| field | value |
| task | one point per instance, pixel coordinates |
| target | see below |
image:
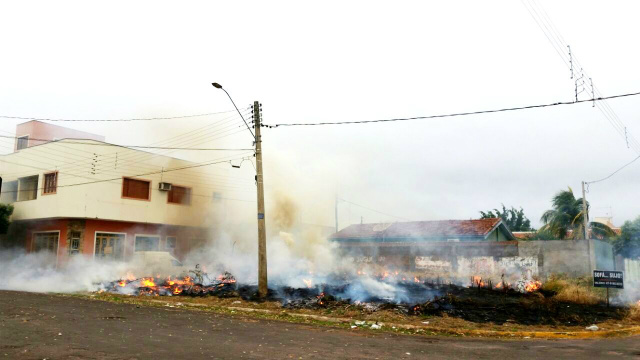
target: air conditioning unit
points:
(163, 186)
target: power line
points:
(66, 141)
(131, 176)
(201, 134)
(552, 34)
(89, 168)
(109, 120)
(613, 173)
(376, 211)
(456, 114)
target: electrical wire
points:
(68, 141)
(90, 169)
(201, 134)
(557, 41)
(130, 176)
(110, 120)
(90, 166)
(376, 211)
(456, 114)
(613, 173)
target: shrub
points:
(5, 213)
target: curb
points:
(485, 333)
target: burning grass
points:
(557, 303)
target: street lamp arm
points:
(216, 85)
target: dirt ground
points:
(41, 326)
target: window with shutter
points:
(136, 189)
(180, 195)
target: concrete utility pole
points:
(262, 235)
(336, 204)
(585, 215)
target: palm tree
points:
(564, 221)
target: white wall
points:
(84, 163)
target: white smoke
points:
(38, 272)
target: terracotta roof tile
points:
(442, 228)
(523, 235)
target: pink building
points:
(28, 132)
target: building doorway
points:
(47, 242)
(109, 246)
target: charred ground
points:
(479, 303)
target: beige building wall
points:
(40, 130)
(90, 184)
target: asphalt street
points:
(41, 326)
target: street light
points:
(262, 237)
(218, 86)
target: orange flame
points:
(477, 281)
(307, 282)
(147, 282)
(533, 286)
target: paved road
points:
(39, 326)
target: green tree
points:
(513, 218)
(5, 213)
(564, 221)
(628, 243)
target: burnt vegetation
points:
(480, 302)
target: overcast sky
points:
(349, 61)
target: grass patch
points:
(634, 312)
(574, 290)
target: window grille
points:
(50, 183)
(74, 244)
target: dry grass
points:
(579, 295)
(634, 312)
(578, 291)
